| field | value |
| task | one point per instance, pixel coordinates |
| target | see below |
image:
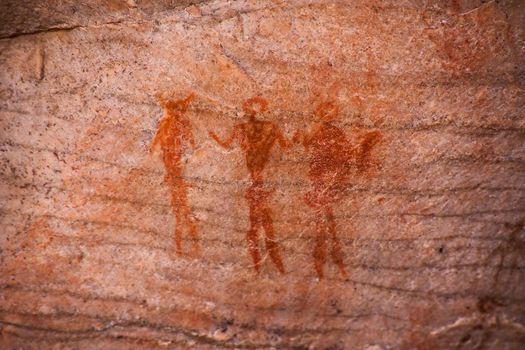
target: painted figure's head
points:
(327, 111)
(177, 106)
(254, 105)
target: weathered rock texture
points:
(390, 217)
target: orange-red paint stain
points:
(467, 41)
(363, 155)
(256, 138)
(174, 134)
(333, 160)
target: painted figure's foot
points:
(195, 249)
(279, 264)
(178, 249)
(319, 270)
(178, 240)
(253, 248)
(343, 272)
(273, 251)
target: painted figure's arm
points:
(163, 126)
(188, 133)
(368, 141)
(283, 142)
(161, 131)
(161, 100)
(228, 142)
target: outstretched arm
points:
(224, 144)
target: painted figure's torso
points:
(329, 154)
(172, 143)
(257, 139)
(330, 160)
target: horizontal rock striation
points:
(262, 174)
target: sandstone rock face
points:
(301, 174)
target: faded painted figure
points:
(332, 161)
(257, 138)
(173, 136)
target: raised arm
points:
(162, 129)
(161, 132)
(283, 142)
(367, 143)
(161, 100)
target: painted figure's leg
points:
(178, 230)
(178, 211)
(337, 252)
(253, 240)
(320, 244)
(188, 218)
(192, 227)
(271, 245)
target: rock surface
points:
(371, 195)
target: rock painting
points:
(333, 161)
(256, 138)
(174, 136)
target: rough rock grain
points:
(371, 195)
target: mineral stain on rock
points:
(455, 34)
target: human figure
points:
(174, 134)
(332, 160)
(256, 139)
